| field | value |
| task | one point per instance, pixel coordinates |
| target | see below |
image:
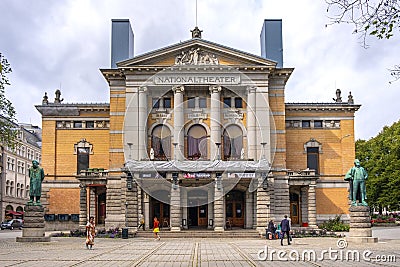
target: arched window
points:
(197, 142)
(27, 191)
(8, 187)
(12, 188)
(233, 142)
(161, 142)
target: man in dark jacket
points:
(285, 228)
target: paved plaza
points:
(66, 251)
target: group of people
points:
(283, 229)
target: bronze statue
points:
(36, 175)
(356, 177)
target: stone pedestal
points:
(360, 225)
(33, 230)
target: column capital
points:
(251, 88)
(142, 89)
(178, 89)
(215, 89)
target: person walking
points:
(156, 229)
(141, 221)
(285, 228)
(90, 233)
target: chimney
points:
(271, 41)
(121, 41)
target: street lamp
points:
(218, 154)
(263, 147)
(175, 152)
(130, 150)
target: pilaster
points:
(179, 122)
(215, 121)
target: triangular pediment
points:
(196, 52)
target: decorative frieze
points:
(196, 56)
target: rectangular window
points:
(238, 102)
(156, 103)
(191, 102)
(202, 102)
(305, 124)
(83, 159)
(90, 124)
(77, 124)
(227, 102)
(313, 159)
(317, 124)
(167, 102)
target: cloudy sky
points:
(53, 44)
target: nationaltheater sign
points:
(178, 79)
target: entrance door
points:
(294, 208)
(161, 211)
(202, 221)
(193, 216)
(235, 209)
(198, 216)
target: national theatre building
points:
(199, 135)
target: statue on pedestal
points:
(357, 176)
(36, 175)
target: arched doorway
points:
(197, 143)
(234, 208)
(160, 209)
(233, 142)
(8, 212)
(197, 210)
(161, 142)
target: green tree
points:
(381, 158)
(7, 111)
(379, 18)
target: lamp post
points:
(130, 150)
(175, 145)
(263, 148)
(218, 154)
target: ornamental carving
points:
(196, 56)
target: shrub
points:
(335, 225)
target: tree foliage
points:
(380, 156)
(7, 111)
(378, 18)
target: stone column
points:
(184, 209)
(132, 207)
(210, 209)
(249, 210)
(312, 207)
(282, 200)
(215, 120)
(179, 122)
(219, 216)
(262, 207)
(92, 203)
(115, 213)
(263, 128)
(251, 123)
(142, 131)
(175, 208)
(147, 219)
(83, 219)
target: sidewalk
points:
(67, 251)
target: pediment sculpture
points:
(196, 56)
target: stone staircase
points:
(197, 233)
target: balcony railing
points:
(94, 172)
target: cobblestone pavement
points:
(63, 251)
